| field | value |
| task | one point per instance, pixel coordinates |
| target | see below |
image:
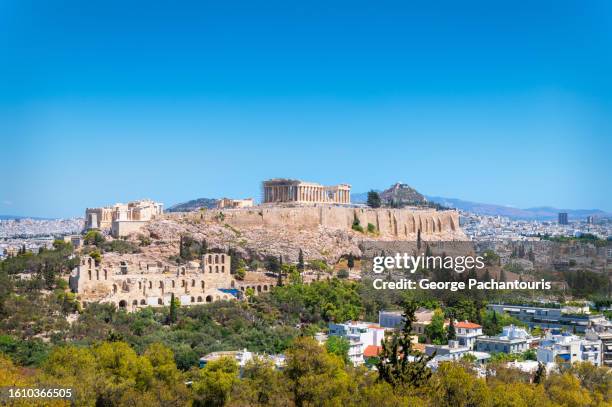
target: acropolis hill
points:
(296, 215)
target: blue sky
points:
(106, 101)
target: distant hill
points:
(193, 205)
(538, 213)
(399, 195)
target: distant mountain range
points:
(15, 217)
(542, 213)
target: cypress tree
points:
(540, 374)
(172, 317)
(300, 265)
(394, 365)
(451, 335)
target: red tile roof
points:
(467, 325)
(372, 351)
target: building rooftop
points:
(467, 325)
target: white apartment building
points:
(569, 348)
(467, 332)
(360, 335)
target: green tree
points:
(172, 316)
(338, 346)
(315, 377)
(213, 384)
(451, 334)
(395, 366)
(435, 330)
(540, 374)
(373, 199)
(300, 264)
(350, 262)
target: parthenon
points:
(291, 190)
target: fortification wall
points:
(392, 223)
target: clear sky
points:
(493, 101)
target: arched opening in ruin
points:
(105, 274)
(199, 299)
(160, 301)
(209, 298)
(89, 272)
(216, 258)
(203, 284)
(233, 284)
(216, 269)
(210, 269)
(265, 287)
(150, 284)
(193, 283)
(258, 288)
(223, 269)
(135, 302)
(161, 284)
(122, 304)
(142, 302)
(223, 258)
(114, 288)
(192, 299)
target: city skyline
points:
(107, 102)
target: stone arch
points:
(223, 258)
(210, 269)
(89, 272)
(209, 298)
(135, 302)
(114, 288)
(203, 284)
(439, 225)
(265, 287)
(216, 269)
(199, 298)
(122, 304)
(210, 258)
(223, 269)
(258, 288)
(216, 258)
(193, 282)
(143, 302)
(192, 299)
(173, 283)
(233, 284)
(160, 301)
(89, 262)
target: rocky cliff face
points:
(322, 232)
